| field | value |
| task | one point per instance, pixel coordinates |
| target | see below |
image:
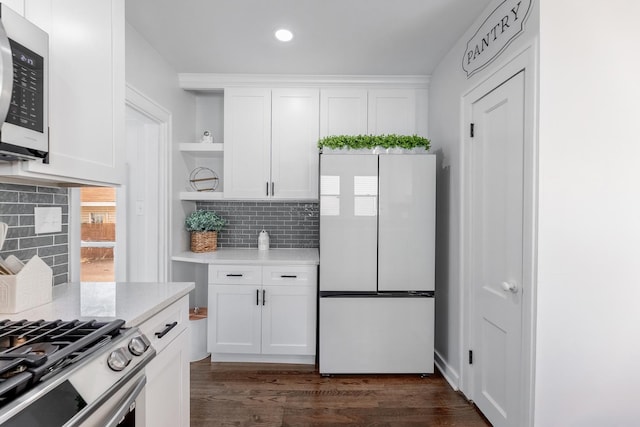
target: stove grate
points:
(33, 351)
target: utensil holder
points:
(31, 287)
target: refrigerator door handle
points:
(257, 296)
(263, 296)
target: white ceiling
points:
(353, 37)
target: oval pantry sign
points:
(496, 32)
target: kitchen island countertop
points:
(105, 301)
(252, 256)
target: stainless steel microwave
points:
(24, 88)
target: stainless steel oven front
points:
(105, 388)
(122, 405)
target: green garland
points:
(371, 141)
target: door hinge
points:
(470, 357)
(472, 130)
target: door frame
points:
(525, 60)
(139, 102)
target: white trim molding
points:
(217, 82)
(447, 371)
(148, 107)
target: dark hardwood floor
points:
(245, 394)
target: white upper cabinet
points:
(343, 112)
(270, 126)
(270, 143)
(86, 99)
(392, 111)
(294, 141)
(361, 111)
(247, 136)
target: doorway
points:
(97, 234)
(145, 254)
(140, 250)
(498, 243)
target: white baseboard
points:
(449, 374)
(263, 358)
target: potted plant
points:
(204, 227)
(355, 142)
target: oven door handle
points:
(124, 406)
(114, 416)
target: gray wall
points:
(289, 224)
(16, 209)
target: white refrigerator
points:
(377, 250)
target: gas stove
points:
(42, 363)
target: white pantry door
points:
(496, 250)
(142, 192)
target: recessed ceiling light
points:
(284, 35)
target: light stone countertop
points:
(247, 256)
(105, 301)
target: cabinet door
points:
(294, 139)
(167, 391)
(86, 90)
(247, 140)
(289, 320)
(234, 319)
(343, 112)
(392, 111)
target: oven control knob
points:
(119, 359)
(138, 345)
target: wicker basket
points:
(204, 241)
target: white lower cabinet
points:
(234, 319)
(263, 314)
(167, 391)
(288, 320)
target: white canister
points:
(263, 241)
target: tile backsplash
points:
(17, 203)
(289, 224)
